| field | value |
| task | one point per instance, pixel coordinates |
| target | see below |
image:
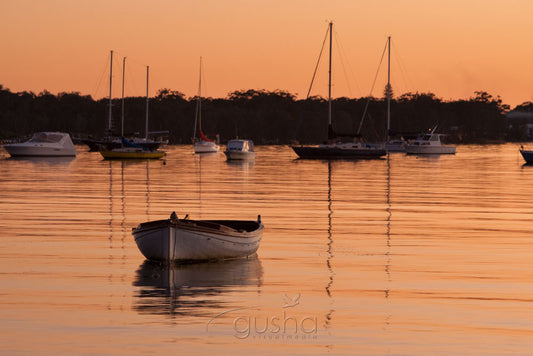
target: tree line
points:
(266, 117)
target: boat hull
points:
(239, 155)
(527, 155)
(118, 154)
(44, 144)
(430, 150)
(111, 144)
(165, 240)
(328, 152)
(205, 147)
(24, 150)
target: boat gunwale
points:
(218, 227)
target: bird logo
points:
(289, 302)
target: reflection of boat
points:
(184, 239)
(130, 150)
(238, 149)
(528, 155)
(429, 144)
(202, 144)
(190, 288)
(338, 146)
(44, 144)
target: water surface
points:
(403, 255)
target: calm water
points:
(406, 255)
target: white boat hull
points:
(17, 150)
(205, 147)
(171, 242)
(44, 144)
(239, 155)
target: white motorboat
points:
(429, 144)
(239, 149)
(44, 144)
(176, 239)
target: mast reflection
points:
(330, 246)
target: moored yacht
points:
(429, 144)
(239, 149)
(44, 144)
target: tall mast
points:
(329, 83)
(388, 93)
(110, 102)
(200, 97)
(147, 77)
(123, 79)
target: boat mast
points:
(110, 102)
(198, 117)
(329, 83)
(200, 98)
(123, 79)
(147, 77)
(388, 93)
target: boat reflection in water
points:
(194, 289)
(44, 160)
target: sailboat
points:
(129, 149)
(112, 139)
(337, 146)
(394, 145)
(201, 144)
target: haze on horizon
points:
(450, 48)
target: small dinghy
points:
(176, 239)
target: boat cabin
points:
(240, 145)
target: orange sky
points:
(451, 48)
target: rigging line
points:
(317, 63)
(408, 82)
(372, 89)
(99, 82)
(342, 63)
(344, 57)
(131, 82)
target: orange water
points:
(405, 255)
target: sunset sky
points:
(451, 48)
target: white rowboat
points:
(176, 239)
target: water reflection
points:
(193, 289)
(49, 160)
(243, 165)
(330, 246)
